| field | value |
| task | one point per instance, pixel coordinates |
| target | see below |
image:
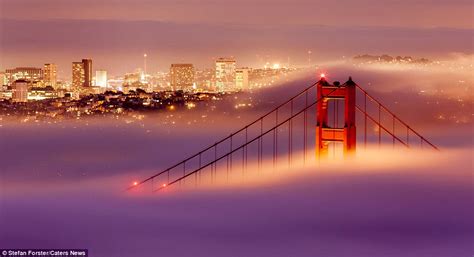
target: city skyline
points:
(67, 75)
(42, 84)
(226, 75)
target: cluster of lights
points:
(135, 183)
(191, 105)
(275, 66)
(237, 106)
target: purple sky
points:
(117, 33)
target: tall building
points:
(225, 74)
(82, 73)
(20, 91)
(182, 76)
(3, 79)
(101, 78)
(30, 74)
(77, 75)
(87, 72)
(50, 74)
(242, 79)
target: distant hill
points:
(366, 58)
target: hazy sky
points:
(116, 33)
(405, 13)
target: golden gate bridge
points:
(281, 134)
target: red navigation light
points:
(135, 183)
(322, 75)
(164, 185)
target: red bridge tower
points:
(326, 134)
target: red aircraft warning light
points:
(325, 134)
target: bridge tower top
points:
(325, 133)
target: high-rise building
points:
(225, 73)
(3, 79)
(101, 78)
(82, 73)
(87, 72)
(20, 91)
(242, 79)
(30, 74)
(77, 75)
(50, 74)
(181, 76)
